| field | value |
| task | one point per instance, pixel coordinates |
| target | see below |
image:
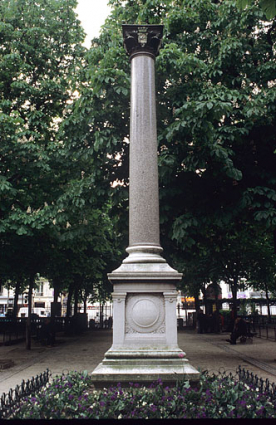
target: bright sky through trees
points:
(92, 14)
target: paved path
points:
(85, 352)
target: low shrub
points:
(72, 397)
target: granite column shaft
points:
(143, 191)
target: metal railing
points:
(264, 386)
(12, 330)
(243, 375)
(10, 402)
(266, 331)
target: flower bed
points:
(72, 397)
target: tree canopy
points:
(268, 6)
(65, 135)
(51, 199)
(216, 120)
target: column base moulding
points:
(125, 370)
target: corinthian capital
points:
(142, 39)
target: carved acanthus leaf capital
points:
(142, 39)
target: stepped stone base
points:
(145, 345)
(143, 366)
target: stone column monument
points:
(144, 312)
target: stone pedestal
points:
(144, 345)
(144, 337)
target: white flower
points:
(144, 403)
(120, 416)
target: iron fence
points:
(264, 386)
(12, 330)
(266, 331)
(243, 375)
(10, 402)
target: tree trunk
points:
(204, 297)
(197, 304)
(16, 295)
(76, 299)
(69, 299)
(268, 304)
(85, 304)
(28, 323)
(101, 314)
(234, 289)
(56, 290)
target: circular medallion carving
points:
(144, 313)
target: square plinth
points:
(144, 345)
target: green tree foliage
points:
(65, 129)
(220, 137)
(40, 54)
(216, 123)
(54, 199)
(268, 6)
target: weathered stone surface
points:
(143, 172)
(144, 299)
(142, 38)
(143, 371)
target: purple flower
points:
(136, 385)
(70, 397)
(102, 403)
(153, 408)
(260, 411)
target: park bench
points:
(248, 335)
